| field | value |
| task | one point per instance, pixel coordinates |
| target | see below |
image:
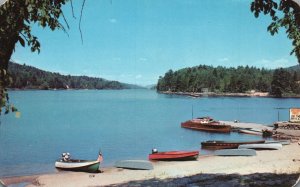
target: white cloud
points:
(143, 59)
(112, 20)
(282, 62)
(263, 63)
(225, 59)
(138, 76)
(18, 61)
(273, 64)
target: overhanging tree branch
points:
(285, 14)
(82, 6)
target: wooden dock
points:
(243, 125)
(277, 134)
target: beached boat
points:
(79, 165)
(206, 124)
(268, 146)
(282, 142)
(235, 152)
(174, 155)
(134, 164)
(214, 144)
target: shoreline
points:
(284, 162)
(214, 94)
(187, 94)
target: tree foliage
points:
(284, 83)
(27, 77)
(16, 19)
(279, 83)
(285, 14)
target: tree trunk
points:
(7, 47)
(6, 50)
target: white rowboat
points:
(78, 165)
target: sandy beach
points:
(284, 161)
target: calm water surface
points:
(124, 124)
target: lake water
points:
(124, 124)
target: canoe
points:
(215, 144)
(174, 155)
(271, 146)
(251, 132)
(235, 152)
(134, 164)
(206, 124)
(78, 165)
(282, 142)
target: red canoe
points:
(174, 155)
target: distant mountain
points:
(28, 77)
(294, 68)
(151, 86)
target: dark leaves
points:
(290, 20)
(17, 15)
(22, 42)
(16, 18)
(14, 109)
(275, 5)
(272, 13)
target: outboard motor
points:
(63, 156)
(154, 150)
(66, 157)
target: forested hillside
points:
(231, 80)
(28, 77)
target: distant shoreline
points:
(214, 94)
(69, 89)
(187, 94)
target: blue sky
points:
(136, 41)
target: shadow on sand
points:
(215, 180)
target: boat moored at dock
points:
(206, 124)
